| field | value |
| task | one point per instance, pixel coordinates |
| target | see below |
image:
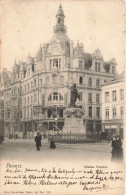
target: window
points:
(8, 115)
(121, 112)
(35, 98)
(80, 64)
(90, 112)
(25, 88)
(31, 99)
(106, 96)
(59, 62)
(114, 96)
(97, 67)
(40, 82)
(97, 83)
(55, 63)
(49, 113)
(61, 113)
(81, 80)
(97, 112)
(113, 69)
(2, 113)
(97, 98)
(107, 114)
(80, 96)
(47, 80)
(50, 63)
(24, 113)
(31, 84)
(50, 98)
(60, 97)
(90, 82)
(34, 82)
(121, 94)
(31, 112)
(61, 80)
(89, 97)
(114, 113)
(55, 96)
(28, 100)
(25, 101)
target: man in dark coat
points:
(38, 141)
(113, 148)
(119, 150)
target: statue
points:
(74, 96)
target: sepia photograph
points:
(62, 92)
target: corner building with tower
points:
(39, 89)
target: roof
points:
(118, 78)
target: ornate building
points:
(40, 88)
(113, 106)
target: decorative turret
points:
(60, 27)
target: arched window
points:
(97, 83)
(47, 80)
(81, 80)
(61, 80)
(55, 96)
(90, 82)
(54, 79)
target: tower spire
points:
(60, 27)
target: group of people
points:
(38, 139)
(117, 151)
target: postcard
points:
(62, 92)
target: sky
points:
(95, 23)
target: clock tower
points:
(60, 27)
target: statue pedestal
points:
(74, 121)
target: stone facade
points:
(39, 91)
(113, 106)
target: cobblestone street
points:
(26, 149)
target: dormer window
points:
(56, 63)
(80, 64)
(97, 66)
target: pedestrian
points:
(113, 148)
(52, 144)
(119, 150)
(38, 141)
